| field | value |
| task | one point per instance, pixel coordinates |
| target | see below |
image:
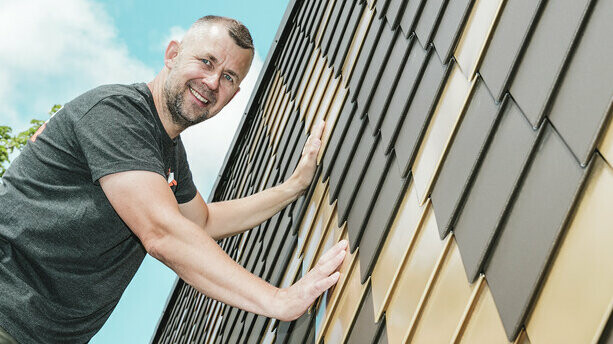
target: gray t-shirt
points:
(65, 255)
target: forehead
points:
(213, 39)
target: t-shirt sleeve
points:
(186, 189)
(115, 136)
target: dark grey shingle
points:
(283, 56)
(355, 171)
(382, 335)
(534, 223)
(232, 327)
(506, 42)
(428, 20)
(257, 330)
(316, 20)
(493, 187)
(290, 49)
(383, 91)
(296, 142)
(291, 81)
(285, 146)
(419, 112)
(331, 27)
(300, 329)
(375, 67)
(381, 216)
(364, 329)
(283, 257)
(252, 239)
(247, 327)
(274, 177)
(463, 155)
(583, 100)
(261, 163)
(544, 56)
(394, 12)
(450, 27)
(347, 37)
(337, 138)
(381, 6)
(304, 18)
(296, 155)
(301, 66)
(411, 15)
(402, 94)
(367, 188)
(366, 51)
(343, 158)
(273, 237)
(254, 256)
(341, 26)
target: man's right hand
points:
(183, 245)
(290, 303)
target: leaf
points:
(10, 143)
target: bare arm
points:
(187, 249)
(226, 218)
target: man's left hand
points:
(304, 172)
(290, 303)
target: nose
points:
(211, 80)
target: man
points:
(106, 180)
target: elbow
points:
(155, 239)
(155, 247)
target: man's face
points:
(204, 74)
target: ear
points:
(172, 51)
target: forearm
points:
(200, 262)
(227, 218)
(231, 217)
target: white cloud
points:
(52, 53)
(176, 33)
(208, 142)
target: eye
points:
(228, 77)
(206, 62)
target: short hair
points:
(239, 32)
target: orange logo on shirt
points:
(171, 178)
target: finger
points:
(306, 145)
(334, 250)
(315, 135)
(326, 283)
(315, 145)
(311, 144)
(328, 267)
(311, 149)
(319, 129)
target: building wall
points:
(466, 157)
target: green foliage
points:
(10, 143)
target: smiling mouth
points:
(198, 95)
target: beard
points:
(175, 104)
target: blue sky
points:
(53, 51)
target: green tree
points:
(10, 143)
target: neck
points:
(156, 86)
